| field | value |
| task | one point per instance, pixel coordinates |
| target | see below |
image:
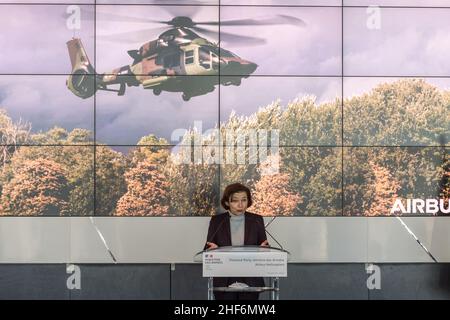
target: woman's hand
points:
(211, 245)
(265, 243)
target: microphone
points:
(209, 239)
(265, 229)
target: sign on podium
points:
(244, 261)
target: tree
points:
(417, 170)
(315, 173)
(267, 119)
(405, 112)
(322, 192)
(55, 135)
(39, 187)
(444, 185)
(76, 161)
(110, 179)
(150, 148)
(272, 196)
(193, 188)
(147, 192)
(79, 136)
(306, 123)
(11, 136)
(384, 188)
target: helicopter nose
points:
(241, 67)
(247, 67)
(251, 67)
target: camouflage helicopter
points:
(179, 60)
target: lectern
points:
(244, 261)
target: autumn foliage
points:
(147, 192)
(384, 188)
(272, 196)
(391, 143)
(39, 187)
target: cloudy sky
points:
(231, 2)
(43, 101)
(290, 50)
(33, 39)
(404, 3)
(409, 42)
(424, 3)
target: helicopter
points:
(179, 60)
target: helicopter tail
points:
(82, 80)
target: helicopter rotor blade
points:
(107, 16)
(188, 8)
(230, 37)
(89, 15)
(178, 7)
(131, 36)
(241, 40)
(207, 32)
(277, 20)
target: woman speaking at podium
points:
(236, 227)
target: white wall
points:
(177, 239)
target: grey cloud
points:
(34, 39)
(45, 102)
(409, 42)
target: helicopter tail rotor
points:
(82, 78)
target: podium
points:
(244, 261)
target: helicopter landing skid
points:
(120, 91)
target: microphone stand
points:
(265, 228)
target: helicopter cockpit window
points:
(204, 58)
(189, 57)
(215, 61)
(226, 53)
(223, 53)
(208, 59)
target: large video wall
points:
(150, 108)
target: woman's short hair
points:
(232, 189)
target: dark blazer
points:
(254, 234)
